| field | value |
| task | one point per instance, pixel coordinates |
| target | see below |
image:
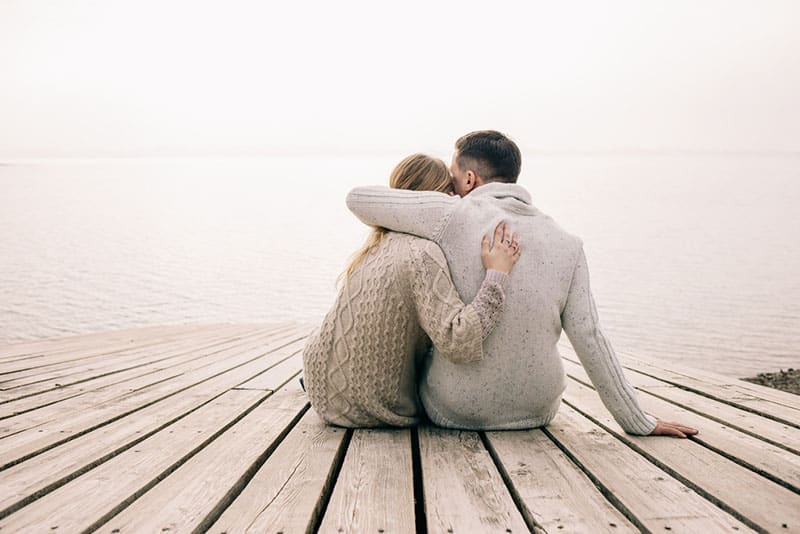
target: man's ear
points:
(473, 181)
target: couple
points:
(494, 363)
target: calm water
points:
(695, 259)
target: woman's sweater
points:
(360, 366)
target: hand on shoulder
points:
(502, 252)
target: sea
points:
(694, 257)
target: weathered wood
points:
(182, 501)
(765, 504)
(552, 490)
(43, 378)
(79, 353)
(654, 498)
(267, 380)
(24, 349)
(677, 373)
(375, 489)
(722, 389)
(204, 363)
(463, 489)
(761, 456)
(766, 429)
(55, 466)
(286, 493)
(101, 492)
(258, 466)
(61, 426)
(47, 390)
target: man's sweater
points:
(519, 382)
(361, 366)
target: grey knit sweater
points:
(361, 366)
(519, 382)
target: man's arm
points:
(420, 213)
(581, 324)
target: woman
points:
(360, 366)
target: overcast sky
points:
(83, 76)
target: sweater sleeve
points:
(582, 326)
(420, 213)
(456, 329)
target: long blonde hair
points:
(417, 172)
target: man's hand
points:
(671, 428)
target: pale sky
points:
(82, 77)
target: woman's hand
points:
(503, 252)
(670, 428)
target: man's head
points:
(483, 157)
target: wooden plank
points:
(12, 379)
(678, 372)
(58, 465)
(552, 490)
(655, 499)
(779, 434)
(266, 381)
(40, 347)
(759, 455)
(722, 389)
(375, 488)
(786, 411)
(61, 426)
(76, 352)
(102, 491)
(765, 503)
(204, 358)
(41, 380)
(286, 493)
(464, 492)
(182, 501)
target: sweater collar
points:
(503, 190)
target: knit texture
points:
(361, 365)
(519, 382)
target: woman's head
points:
(419, 172)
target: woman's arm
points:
(457, 329)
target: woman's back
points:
(360, 366)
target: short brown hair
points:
(495, 157)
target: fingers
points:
(485, 249)
(683, 428)
(498, 234)
(671, 428)
(506, 234)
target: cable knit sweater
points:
(360, 366)
(520, 381)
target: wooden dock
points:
(206, 429)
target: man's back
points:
(519, 382)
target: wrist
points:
(496, 276)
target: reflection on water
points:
(695, 259)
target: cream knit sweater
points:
(360, 366)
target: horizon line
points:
(245, 153)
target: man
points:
(519, 382)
